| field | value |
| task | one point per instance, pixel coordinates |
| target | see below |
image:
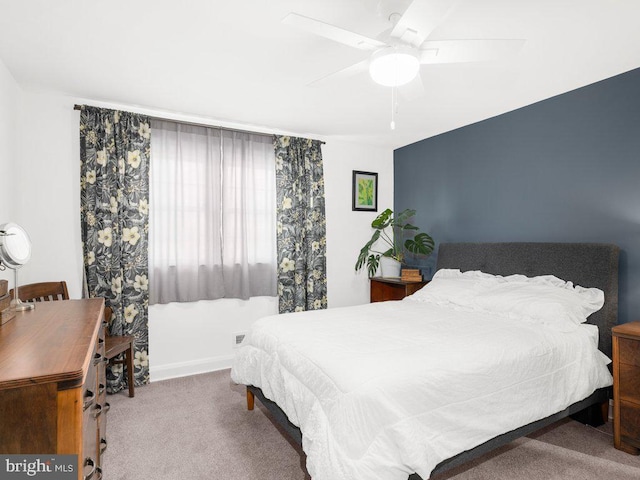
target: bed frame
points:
(585, 264)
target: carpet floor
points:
(198, 428)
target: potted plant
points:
(396, 233)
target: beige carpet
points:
(198, 428)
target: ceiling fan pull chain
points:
(393, 108)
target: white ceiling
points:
(234, 61)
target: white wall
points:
(348, 231)
(9, 95)
(48, 189)
(189, 338)
(183, 338)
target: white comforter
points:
(383, 390)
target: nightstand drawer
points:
(629, 383)
(626, 387)
(629, 351)
(630, 423)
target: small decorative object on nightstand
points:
(626, 387)
(411, 275)
(383, 289)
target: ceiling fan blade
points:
(420, 19)
(459, 51)
(412, 90)
(350, 71)
(332, 32)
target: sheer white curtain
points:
(212, 214)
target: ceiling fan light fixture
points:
(394, 66)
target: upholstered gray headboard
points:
(584, 264)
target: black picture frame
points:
(364, 191)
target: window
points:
(212, 214)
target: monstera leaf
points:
(421, 244)
(364, 252)
(383, 220)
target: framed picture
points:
(365, 191)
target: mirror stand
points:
(17, 304)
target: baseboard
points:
(183, 369)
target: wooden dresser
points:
(52, 383)
(626, 387)
(383, 289)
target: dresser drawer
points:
(89, 389)
(95, 416)
(102, 398)
(90, 439)
(630, 423)
(102, 433)
(629, 383)
(629, 351)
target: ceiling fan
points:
(395, 60)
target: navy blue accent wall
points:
(566, 169)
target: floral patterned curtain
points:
(114, 154)
(301, 225)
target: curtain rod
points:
(195, 124)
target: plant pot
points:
(390, 267)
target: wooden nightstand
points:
(383, 289)
(626, 387)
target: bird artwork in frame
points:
(365, 191)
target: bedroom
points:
(43, 171)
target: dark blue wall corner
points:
(566, 169)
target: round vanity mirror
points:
(15, 245)
(15, 251)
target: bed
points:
(340, 406)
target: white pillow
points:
(455, 287)
(545, 298)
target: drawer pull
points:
(88, 462)
(97, 410)
(107, 407)
(99, 472)
(89, 398)
(101, 388)
(97, 358)
(103, 445)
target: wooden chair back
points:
(117, 344)
(43, 292)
